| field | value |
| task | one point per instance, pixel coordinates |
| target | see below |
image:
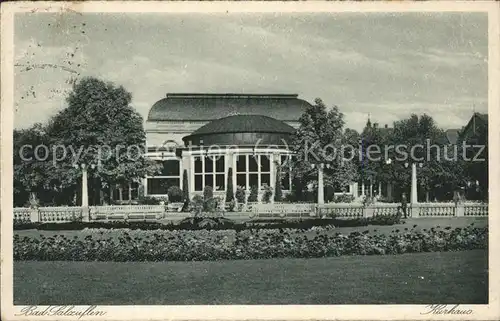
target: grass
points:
(423, 278)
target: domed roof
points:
(205, 107)
(245, 124)
(242, 129)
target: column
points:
(414, 199)
(145, 185)
(371, 188)
(321, 197)
(379, 189)
(85, 195)
(363, 188)
(85, 192)
(272, 174)
(354, 189)
(129, 193)
(389, 191)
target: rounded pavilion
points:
(206, 135)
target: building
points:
(206, 134)
(475, 132)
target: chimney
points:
(375, 125)
(385, 126)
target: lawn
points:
(423, 278)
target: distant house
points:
(475, 134)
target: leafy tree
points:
(371, 159)
(100, 121)
(320, 139)
(436, 174)
(30, 174)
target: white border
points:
(289, 312)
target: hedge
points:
(216, 223)
(203, 245)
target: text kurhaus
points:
(445, 309)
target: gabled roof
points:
(477, 120)
(452, 135)
(206, 107)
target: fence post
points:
(85, 214)
(368, 211)
(459, 209)
(414, 211)
(34, 217)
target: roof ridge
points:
(229, 95)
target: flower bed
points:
(162, 245)
(215, 223)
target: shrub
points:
(241, 195)
(208, 201)
(254, 194)
(268, 193)
(203, 245)
(290, 198)
(206, 223)
(229, 189)
(148, 200)
(208, 193)
(185, 191)
(211, 205)
(278, 195)
(197, 204)
(343, 198)
(230, 205)
(174, 194)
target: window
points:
(253, 170)
(209, 171)
(170, 175)
(360, 188)
(160, 186)
(170, 168)
(241, 163)
(125, 194)
(198, 182)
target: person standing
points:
(404, 204)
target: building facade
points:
(205, 135)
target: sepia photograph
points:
(233, 157)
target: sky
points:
(383, 65)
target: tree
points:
(277, 190)
(320, 139)
(185, 190)
(230, 189)
(100, 121)
(436, 174)
(31, 176)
